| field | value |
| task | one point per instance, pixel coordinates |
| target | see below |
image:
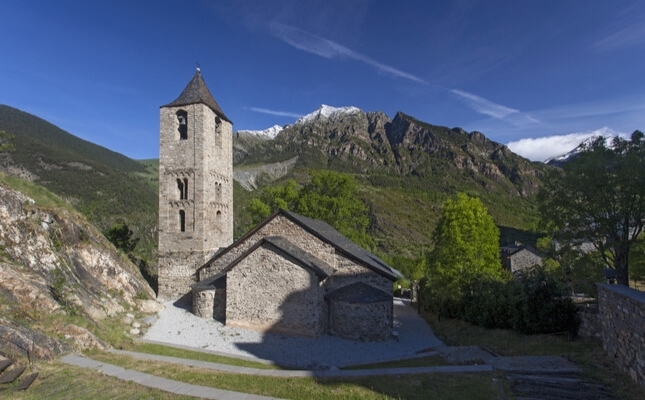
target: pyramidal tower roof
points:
(197, 92)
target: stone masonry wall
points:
(196, 179)
(524, 259)
(177, 273)
(268, 292)
(210, 303)
(347, 271)
(364, 322)
(590, 326)
(279, 226)
(622, 316)
(203, 301)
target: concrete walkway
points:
(485, 363)
(329, 373)
(157, 382)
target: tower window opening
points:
(181, 188)
(186, 188)
(182, 221)
(218, 221)
(182, 119)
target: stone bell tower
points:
(195, 186)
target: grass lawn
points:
(60, 381)
(586, 353)
(427, 386)
(161, 350)
(431, 361)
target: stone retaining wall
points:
(589, 322)
(622, 317)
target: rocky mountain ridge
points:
(371, 142)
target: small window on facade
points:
(182, 220)
(218, 131)
(218, 220)
(182, 119)
(180, 187)
(185, 188)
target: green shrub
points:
(535, 302)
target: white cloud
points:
(541, 149)
(497, 111)
(322, 47)
(274, 112)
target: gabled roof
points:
(300, 256)
(196, 92)
(351, 250)
(511, 249)
(318, 266)
(359, 292)
(327, 234)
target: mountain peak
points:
(269, 133)
(325, 112)
(607, 133)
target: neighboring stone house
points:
(297, 275)
(518, 257)
(289, 274)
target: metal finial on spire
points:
(197, 63)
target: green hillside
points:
(406, 169)
(101, 183)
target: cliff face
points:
(52, 261)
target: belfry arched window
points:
(182, 119)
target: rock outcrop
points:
(53, 261)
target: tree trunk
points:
(621, 264)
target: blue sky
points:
(537, 75)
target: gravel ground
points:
(175, 325)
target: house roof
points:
(327, 234)
(298, 255)
(314, 263)
(196, 92)
(351, 250)
(359, 292)
(511, 249)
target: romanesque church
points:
(290, 274)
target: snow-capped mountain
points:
(325, 112)
(584, 145)
(268, 133)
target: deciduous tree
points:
(466, 243)
(599, 197)
(329, 196)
